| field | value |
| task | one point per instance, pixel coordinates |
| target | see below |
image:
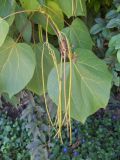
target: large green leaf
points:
(7, 7)
(30, 4)
(36, 84)
(17, 65)
(24, 26)
(91, 84)
(55, 13)
(4, 28)
(78, 35)
(73, 7)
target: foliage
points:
(90, 85)
(45, 47)
(12, 54)
(31, 137)
(24, 137)
(37, 125)
(30, 25)
(96, 4)
(35, 84)
(13, 139)
(97, 139)
(106, 36)
(73, 8)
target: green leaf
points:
(36, 84)
(73, 8)
(115, 41)
(111, 51)
(91, 84)
(106, 34)
(97, 28)
(111, 14)
(24, 26)
(78, 35)
(118, 55)
(117, 67)
(115, 22)
(30, 4)
(17, 65)
(54, 11)
(4, 28)
(118, 8)
(7, 7)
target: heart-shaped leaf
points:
(73, 8)
(24, 26)
(53, 10)
(4, 28)
(36, 84)
(7, 7)
(78, 35)
(91, 84)
(17, 65)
